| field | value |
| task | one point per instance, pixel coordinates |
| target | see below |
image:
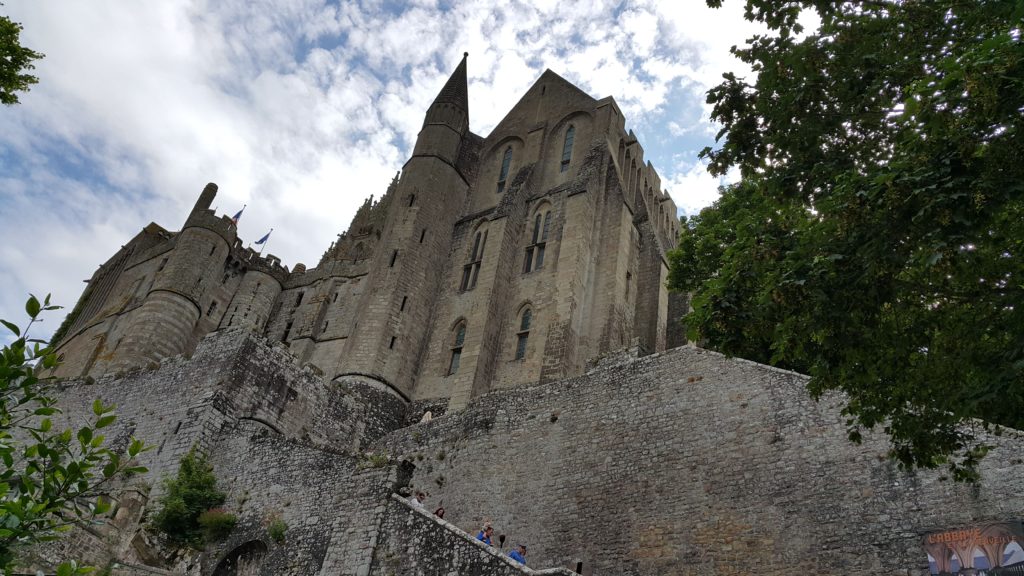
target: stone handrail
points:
(424, 514)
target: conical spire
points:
(454, 91)
(451, 106)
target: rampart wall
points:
(687, 462)
(683, 462)
(316, 493)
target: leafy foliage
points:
(277, 529)
(14, 61)
(50, 478)
(192, 492)
(217, 524)
(876, 240)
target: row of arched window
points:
(567, 144)
(532, 261)
(459, 340)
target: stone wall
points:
(268, 477)
(687, 462)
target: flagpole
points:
(264, 245)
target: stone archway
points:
(245, 560)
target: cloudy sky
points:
(302, 108)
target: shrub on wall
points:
(192, 492)
(276, 530)
(217, 524)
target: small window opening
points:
(506, 160)
(472, 269)
(162, 264)
(391, 346)
(212, 308)
(213, 249)
(177, 428)
(394, 256)
(460, 338)
(335, 298)
(326, 323)
(287, 332)
(524, 334)
(423, 234)
(412, 198)
(538, 242)
(402, 307)
(570, 135)
(629, 282)
(298, 299)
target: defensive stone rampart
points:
(687, 462)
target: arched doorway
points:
(244, 560)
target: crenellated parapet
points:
(245, 258)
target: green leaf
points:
(105, 421)
(11, 327)
(135, 447)
(97, 407)
(32, 307)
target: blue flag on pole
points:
(264, 239)
(238, 216)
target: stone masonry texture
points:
(402, 361)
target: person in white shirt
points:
(417, 499)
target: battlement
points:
(250, 259)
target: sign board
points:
(993, 549)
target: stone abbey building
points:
(489, 263)
(513, 286)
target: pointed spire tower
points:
(403, 284)
(447, 119)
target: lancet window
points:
(506, 161)
(524, 333)
(570, 135)
(472, 269)
(538, 242)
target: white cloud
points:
(693, 188)
(299, 108)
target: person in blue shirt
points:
(519, 555)
(485, 535)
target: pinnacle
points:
(455, 91)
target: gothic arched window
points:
(476, 257)
(506, 160)
(524, 333)
(570, 135)
(457, 342)
(538, 241)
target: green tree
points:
(50, 478)
(186, 497)
(15, 59)
(876, 239)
